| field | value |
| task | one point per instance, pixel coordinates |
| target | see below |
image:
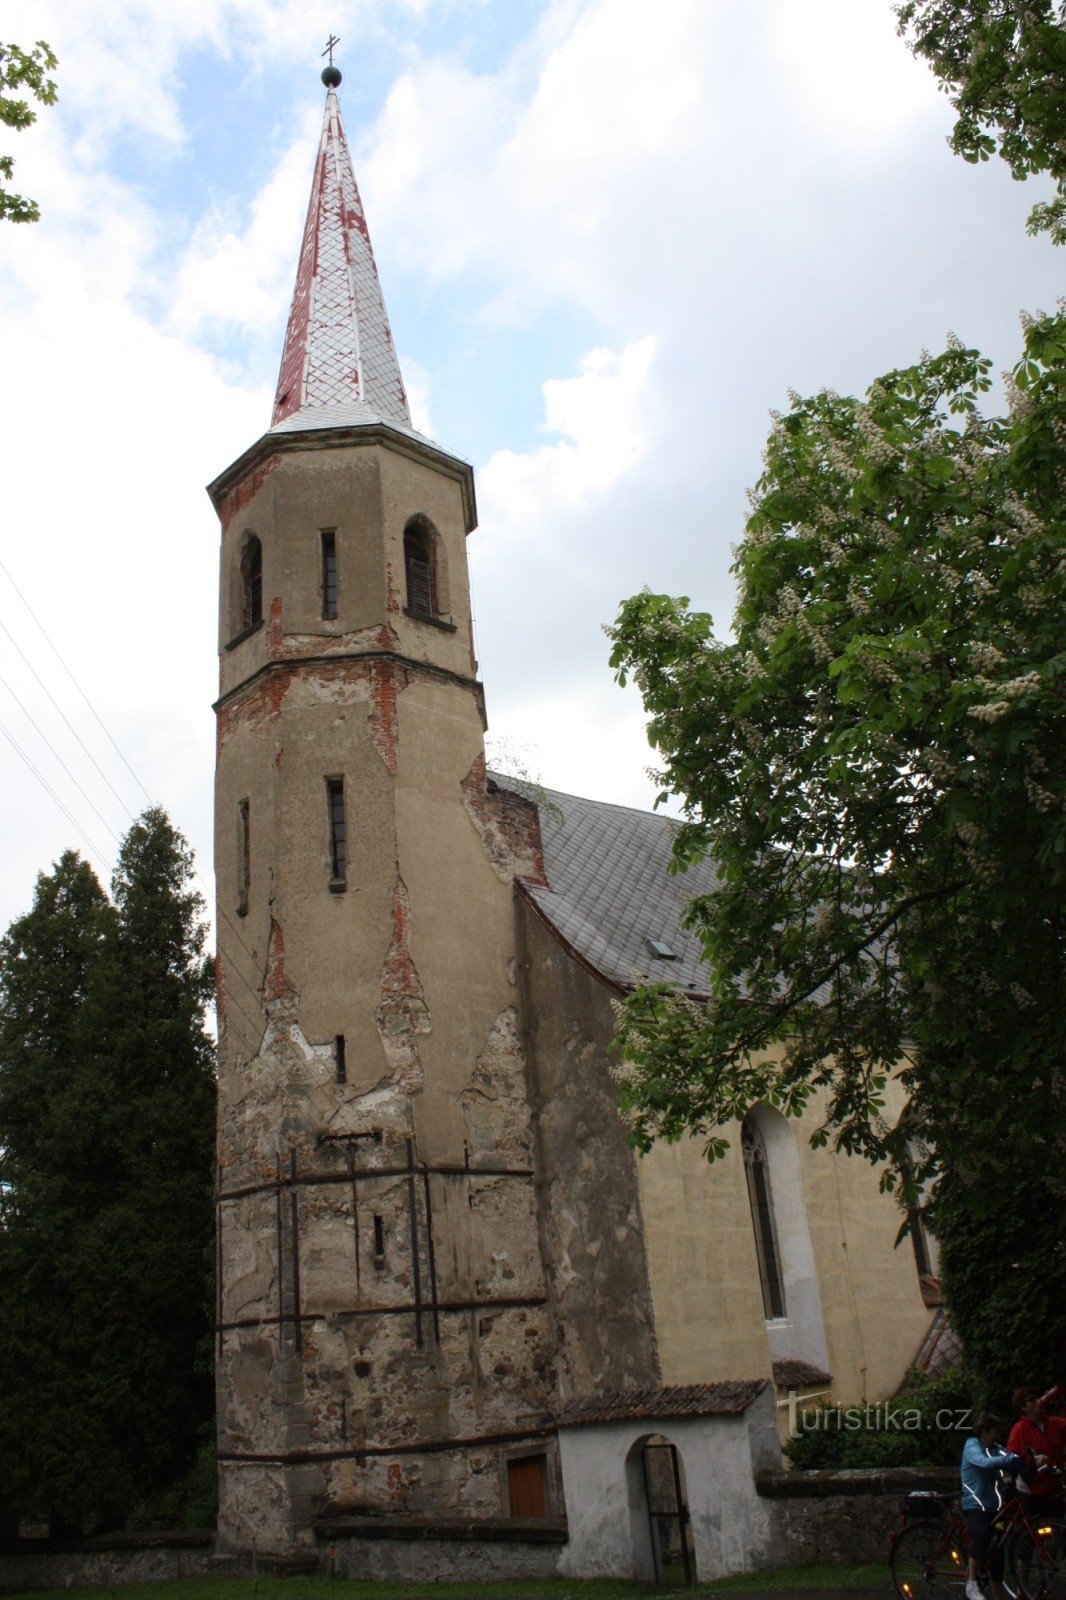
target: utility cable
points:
(66, 719)
(73, 679)
(46, 786)
(256, 1027)
(256, 997)
(34, 724)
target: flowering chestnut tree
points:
(1002, 64)
(874, 762)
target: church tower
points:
(385, 1342)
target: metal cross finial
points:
(331, 75)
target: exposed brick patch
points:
(392, 601)
(275, 638)
(387, 681)
(242, 493)
(275, 981)
(509, 826)
(256, 708)
(403, 1013)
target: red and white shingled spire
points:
(339, 363)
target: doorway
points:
(673, 1550)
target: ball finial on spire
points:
(331, 76)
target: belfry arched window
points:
(418, 570)
(251, 583)
(757, 1171)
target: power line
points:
(255, 996)
(13, 742)
(66, 719)
(73, 679)
(256, 1027)
(59, 758)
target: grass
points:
(816, 1577)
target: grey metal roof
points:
(610, 891)
(350, 414)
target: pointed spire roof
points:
(339, 363)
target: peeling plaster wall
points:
(385, 1327)
(593, 1237)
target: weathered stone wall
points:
(385, 1330)
(129, 1558)
(590, 1215)
(838, 1516)
(439, 1550)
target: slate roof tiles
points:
(610, 891)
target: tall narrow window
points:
(418, 567)
(244, 856)
(338, 859)
(251, 583)
(762, 1216)
(340, 1058)
(329, 573)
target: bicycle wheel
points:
(928, 1562)
(1038, 1559)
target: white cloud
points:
(570, 740)
(600, 415)
(846, 73)
(714, 203)
(241, 277)
(416, 380)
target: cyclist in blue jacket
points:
(983, 1459)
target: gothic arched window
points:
(418, 569)
(251, 583)
(757, 1172)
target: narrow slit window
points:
(762, 1216)
(418, 567)
(244, 856)
(329, 573)
(339, 1059)
(338, 858)
(379, 1239)
(251, 583)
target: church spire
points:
(339, 364)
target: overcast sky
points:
(611, 235)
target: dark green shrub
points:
(925, 1425)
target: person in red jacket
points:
(1040, 1439)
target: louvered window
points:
(418, 566)
(252, 583)
(762, 1216)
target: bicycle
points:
(929, 1552)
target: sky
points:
(612, 238)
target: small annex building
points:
(456, 1312)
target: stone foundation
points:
(381, 1549)
(109, 1562)
(839, 1516)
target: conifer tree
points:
(106, 1134)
